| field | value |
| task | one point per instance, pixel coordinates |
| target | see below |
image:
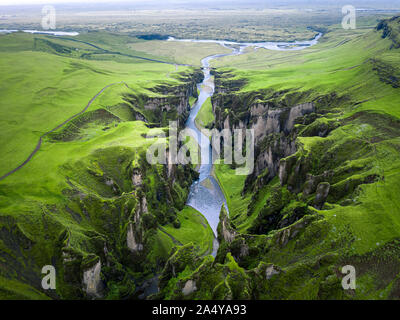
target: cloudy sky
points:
(373, 3)
(16, 2)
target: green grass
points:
(180, 52)
(53, 156)
(232, 186)
(332, 65)
(359, 70)
(194, 229)
(113, 46)
(42, 90)
(15, 290)
(192, 101)
(205, 117)
(161, 249)
(336, 64)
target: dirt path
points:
(39, 144)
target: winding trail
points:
(104, 51)
(39, 144)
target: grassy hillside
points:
(324, 193)
(205, 117)
(74, 203)
(40, 90)
(193, 229)
(180, 52)
(349, 146)
(349, 66)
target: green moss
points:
(205, 117)
(194, 229)
(232, 186)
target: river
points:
(205, 194)
(53, 33)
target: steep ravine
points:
(206, 195)
(290, 250)
(239, 270)
(321, 190)
(274, 122)
(103, 229)
(160, 192)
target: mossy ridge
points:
(81, 207)
(350, 147)
(192, 228)
(209, 280)
(205, 117)
(52, 90)
(90, 224)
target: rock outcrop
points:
(170, 104)
(271, 271)
(273, 126)
(225, 231)
(322, 194)
(189, 288)
(131, 242)
(93, 285)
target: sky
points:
(174, 2)
(146, 2)
(21, 2)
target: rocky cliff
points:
(312, 164)
(170, 104)
(102, 231)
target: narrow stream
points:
(205, 194)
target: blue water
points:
(205, 194)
